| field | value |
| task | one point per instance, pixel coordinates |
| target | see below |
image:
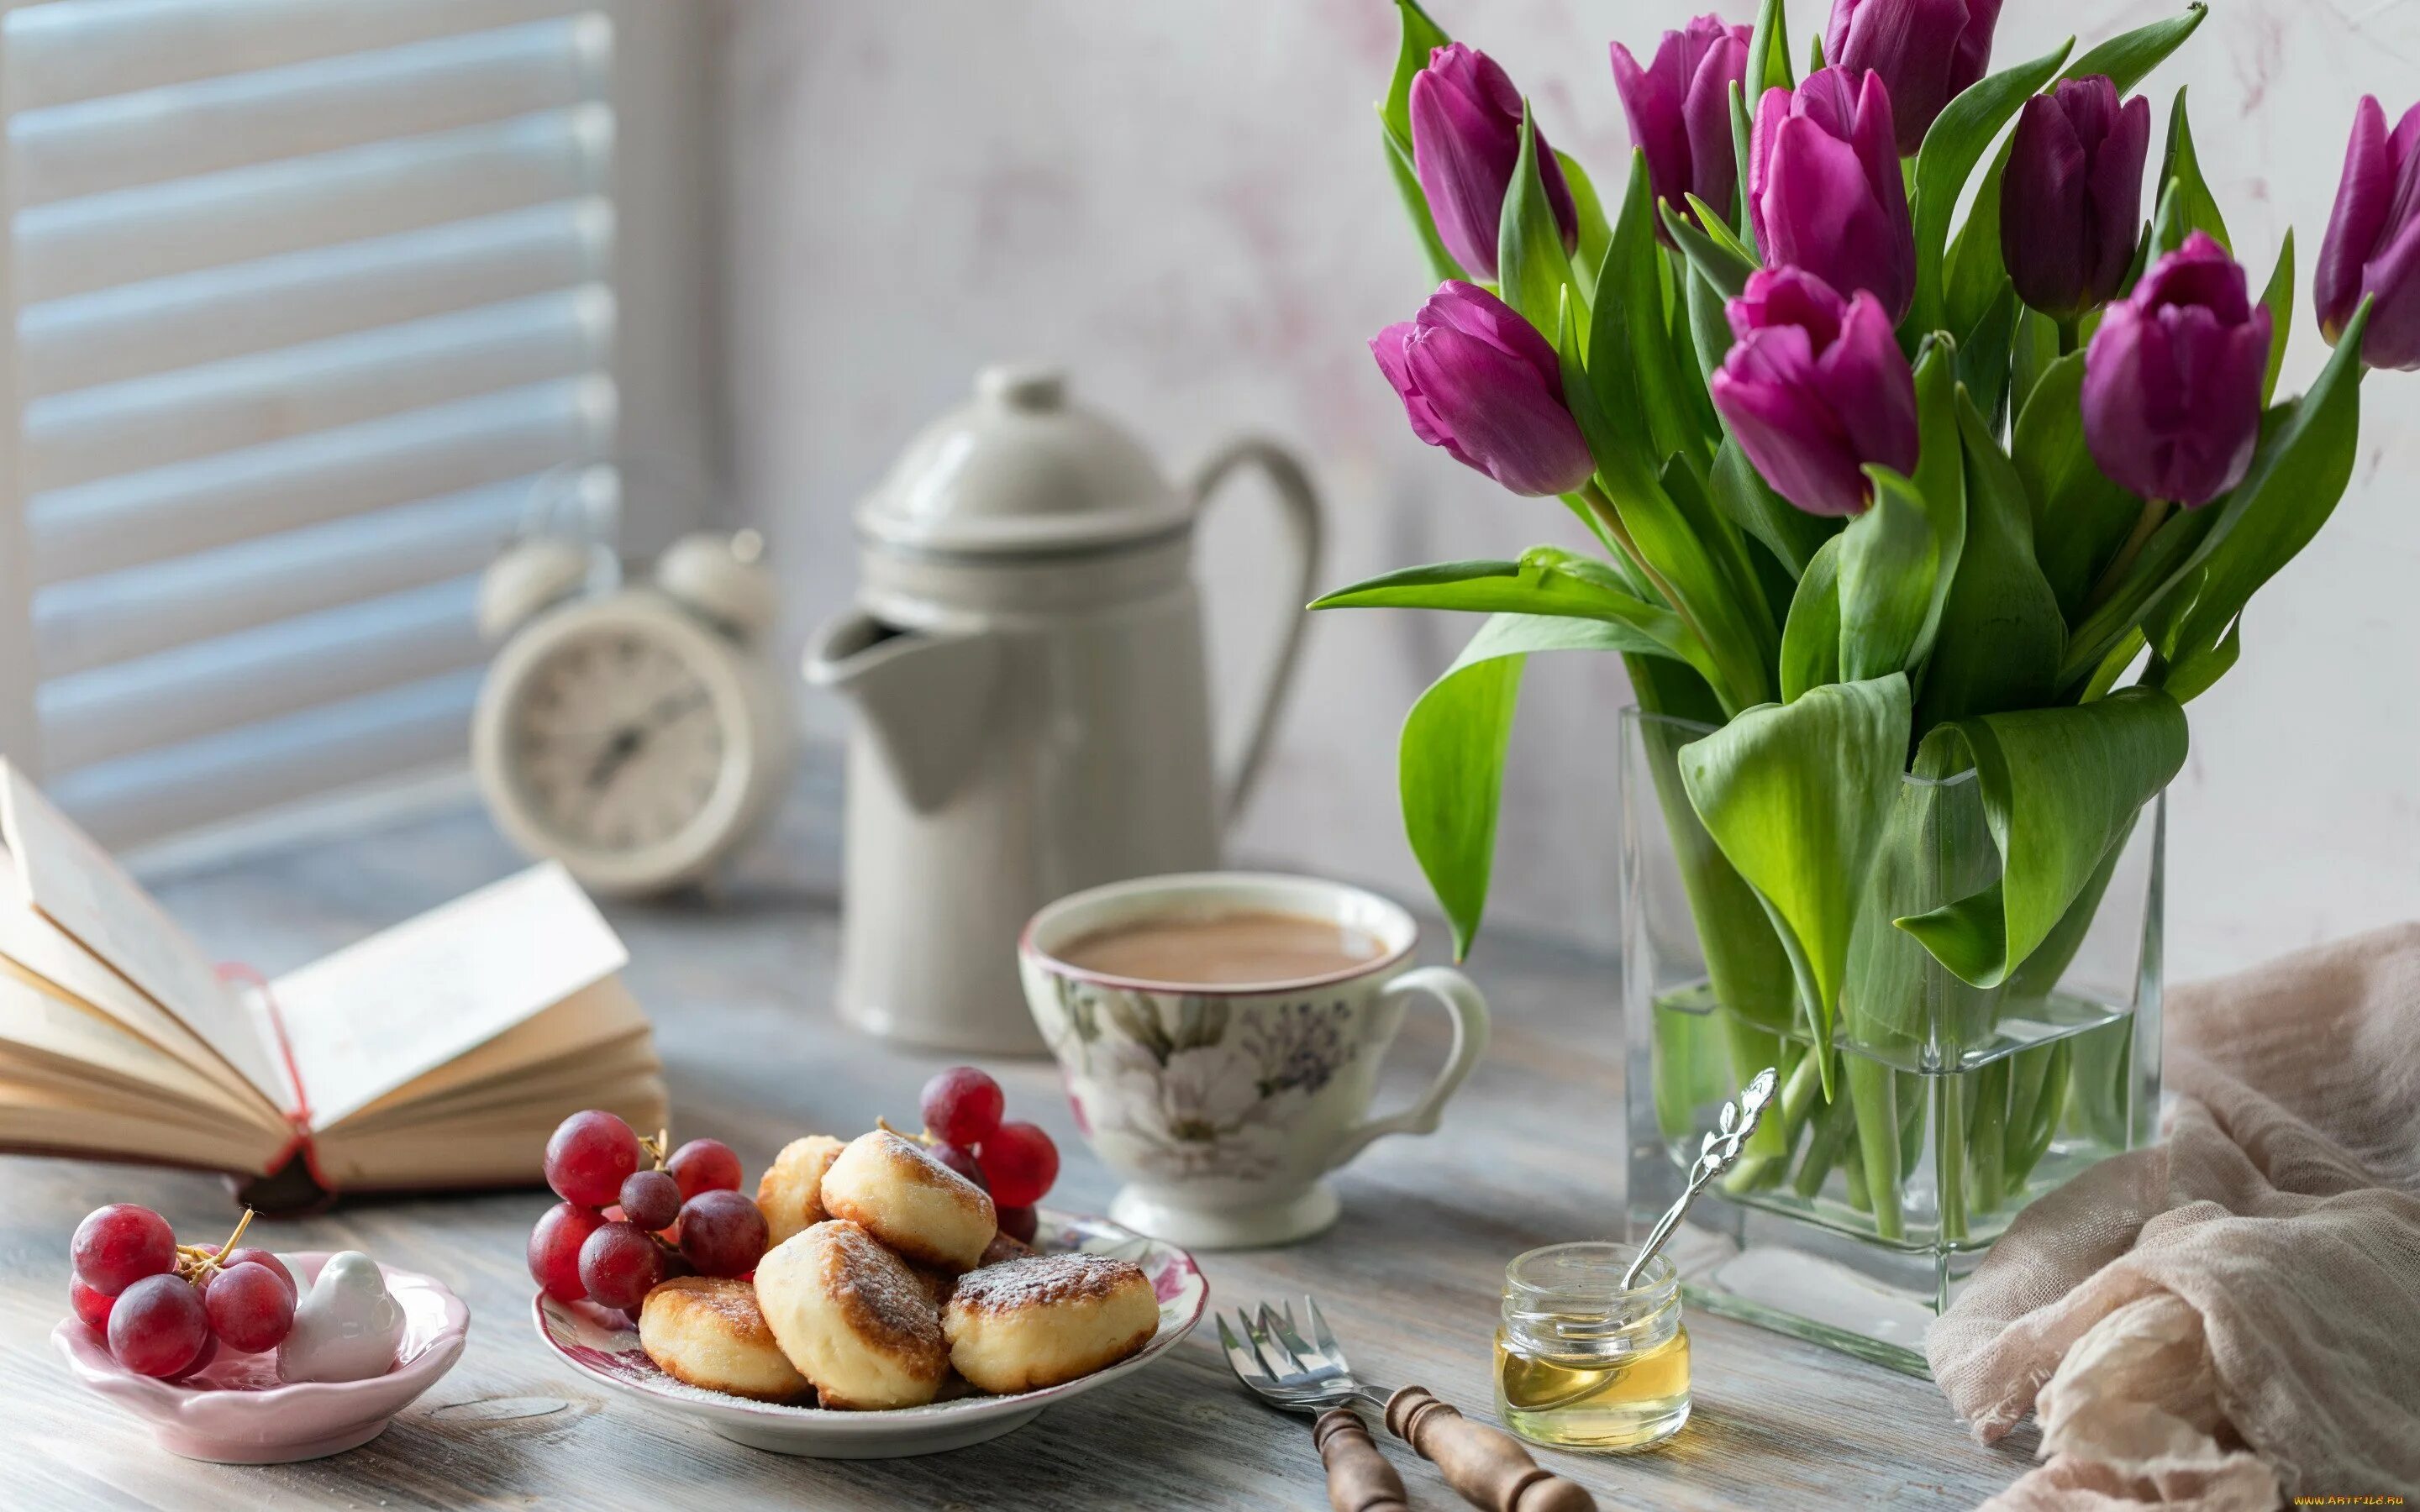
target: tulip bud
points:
(2072, 202)
(1814, 388)
(2373, 245)
(1824, 191)
(1466, 142)
(1680, 110)
(1929, 52)
(2172, 379)
(1480, 382)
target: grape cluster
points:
(167, 1309)
(632, 1217)
(1015, 1162)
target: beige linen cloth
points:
(2233, 1318)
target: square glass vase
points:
(1855, 1221)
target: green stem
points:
(1987, 1136)
(2041, 1119)
(2069, 334)
(2147, 524)
(1798, 1094)
(1874, 1091)
(1950, 1157)
(1834, 1127)
(1860, 1200)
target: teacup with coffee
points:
(1221, 1035)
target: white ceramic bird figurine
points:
(347, 1327)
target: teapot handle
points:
(1305, 530)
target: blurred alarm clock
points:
(635, 733)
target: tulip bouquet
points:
(1916, 533)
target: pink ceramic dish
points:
(237, 1411)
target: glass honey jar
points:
(1584, 1363)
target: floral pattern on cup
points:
(1200, 1089)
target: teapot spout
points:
(924, 696)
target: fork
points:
(1486, 1465)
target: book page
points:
(84, 890)
(33, 946)
(375, 1015)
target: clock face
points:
(615, 740)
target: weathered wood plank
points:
(1530, 1154)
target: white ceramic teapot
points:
(1032, 705)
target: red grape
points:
(1018, 1223)
(589, 1157)
(962, 1106)
(722, 1233)
(118, 1246)
(248, 1256)
(157, 1327)
(1020, 1163)
(554, 1249)
(89, 1304)
(959, 1159)
(651, 1199)
(249, 1307)
(620, 1264)
(202, 1361)
(705, 1166)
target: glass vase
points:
(1853, 1221)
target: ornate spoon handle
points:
(1722, 1148)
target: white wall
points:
(1187, 204)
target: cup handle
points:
(1454, 992)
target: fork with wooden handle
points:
(1486, 1465)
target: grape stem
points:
(660, 1146)
(197, 1263)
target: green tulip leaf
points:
(1721, 259)
(1796, 795)
(1956, 141)
(1889, 562)
(1532, 269)
(2130, 58)
(1451, 757)
(2001, 632)
(1594, 231)
(1547, 580)
(2080, 518)
(1768, 53)
(1940, 477)
(1419, 35)
(1983, 351)
(2194, 577)
(2186, 204)
(2060, 786)
(1710, 329)
(1791, 535)
(2033, 346)
(1632, 329)
(1742, 130)
(1810, 639)
(2278, 299)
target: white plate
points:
(606, 1348)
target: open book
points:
(438, 1054)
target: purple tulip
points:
(1680, 110)
(1466, 142)
(2071, 202)
(1929, 52)
(1824, 192)
(1480, 382)
(1815, 388)
(2172, 379)
(2373, 245)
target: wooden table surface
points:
(1530, 1154)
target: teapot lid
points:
(1021, 470)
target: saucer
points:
(605, 1347)
(235, 1411)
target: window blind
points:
(306, 294)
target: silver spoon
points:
(1721, 1148)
